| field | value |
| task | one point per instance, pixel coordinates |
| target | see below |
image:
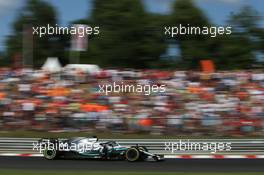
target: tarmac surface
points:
(168, 165)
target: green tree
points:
(128, 36)
(193, 47)
(235, 51)
(36, 13)
(232, 53)
(238, 51)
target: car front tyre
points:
(132, 154)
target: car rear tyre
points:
(132, 154)
(50, 154)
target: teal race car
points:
(92, 148)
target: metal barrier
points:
(159, 146)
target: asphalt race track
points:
(179, 165)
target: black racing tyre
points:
(50, 154)
(155, 158)
(132, 154)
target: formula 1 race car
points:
(89, 148)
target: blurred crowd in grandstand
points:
(227, 103)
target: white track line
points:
(165, 156)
